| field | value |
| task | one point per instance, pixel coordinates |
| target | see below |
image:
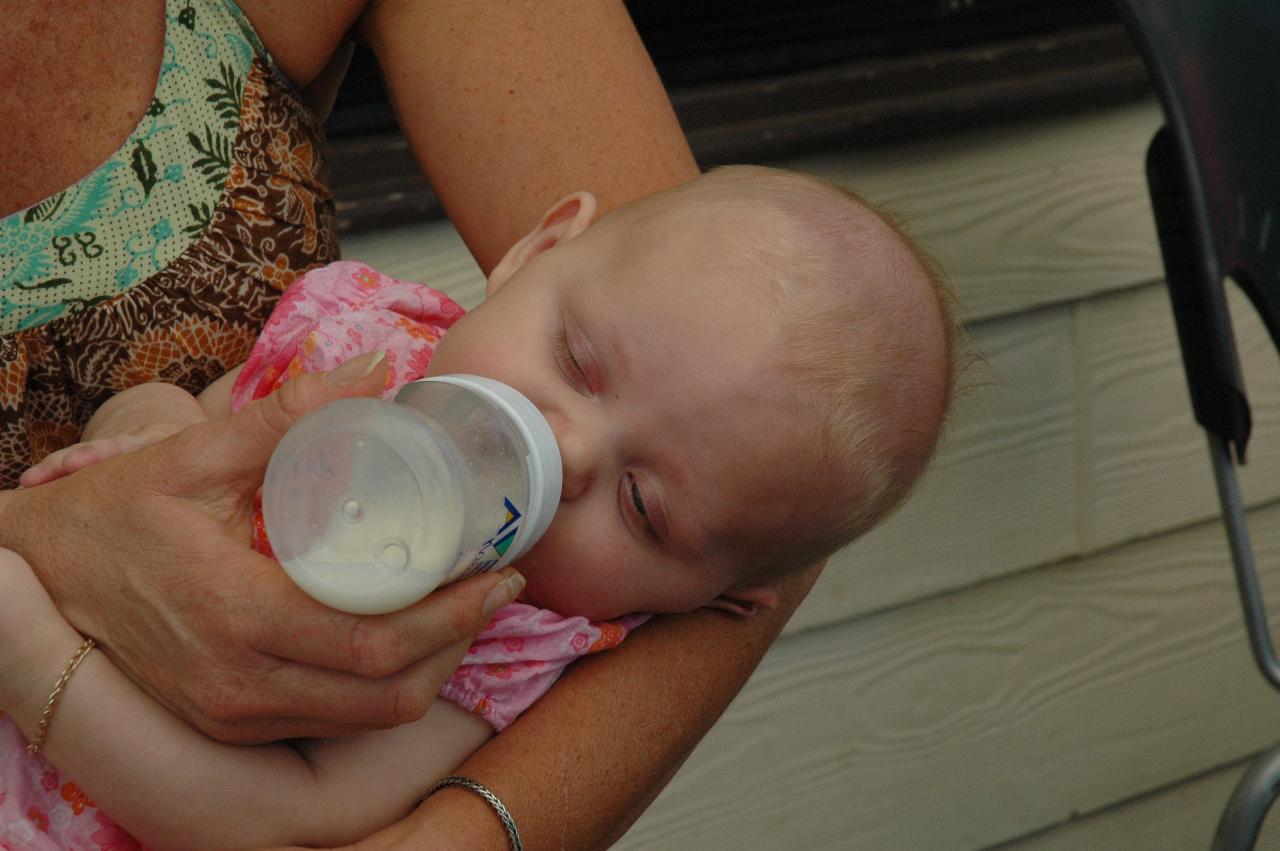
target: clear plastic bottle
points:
(369, 505)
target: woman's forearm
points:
(550, 98)
(584, 762)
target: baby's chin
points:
(567, 608)
(565, 602)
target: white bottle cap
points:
(546, 472)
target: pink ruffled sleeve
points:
(521, 654)
(337, 312)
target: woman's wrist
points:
(27, 517)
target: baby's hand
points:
(129, 420)
(77, 456)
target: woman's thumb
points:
(246, 439)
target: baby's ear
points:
(746, 601)
(567, 218)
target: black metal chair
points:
(1214, 175)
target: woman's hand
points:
(149, 553)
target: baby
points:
(743, 374)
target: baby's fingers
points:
(56, 464)
(77, 456)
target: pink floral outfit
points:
(41, 810)
(329, 315)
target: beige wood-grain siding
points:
(1021, 215)
(1001, 495)
(1180, 818)
(1043, 647)
(980, 716)
(1082, 439)
(1147, 458)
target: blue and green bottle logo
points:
(499, 543)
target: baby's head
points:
(744, 374)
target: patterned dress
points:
(164, 263)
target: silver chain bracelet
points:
(513, 835)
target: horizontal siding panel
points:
(999, 497)
(1022, 215)
(1147, 464)
(1002, 492)
(1181, 818)
(984, 715)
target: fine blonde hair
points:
(869, 338)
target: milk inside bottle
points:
(369, 505)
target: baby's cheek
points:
(579, 567)
(558, 584)
(467, 348)
(532, 567)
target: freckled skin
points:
(87, 107)
(61, 60)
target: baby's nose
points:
(577, 456)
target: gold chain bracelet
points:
(43, 729)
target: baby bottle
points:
(369, 504)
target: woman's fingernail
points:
(355, 370)
(503, 593)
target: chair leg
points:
(1241, 821)
(1251, 604)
